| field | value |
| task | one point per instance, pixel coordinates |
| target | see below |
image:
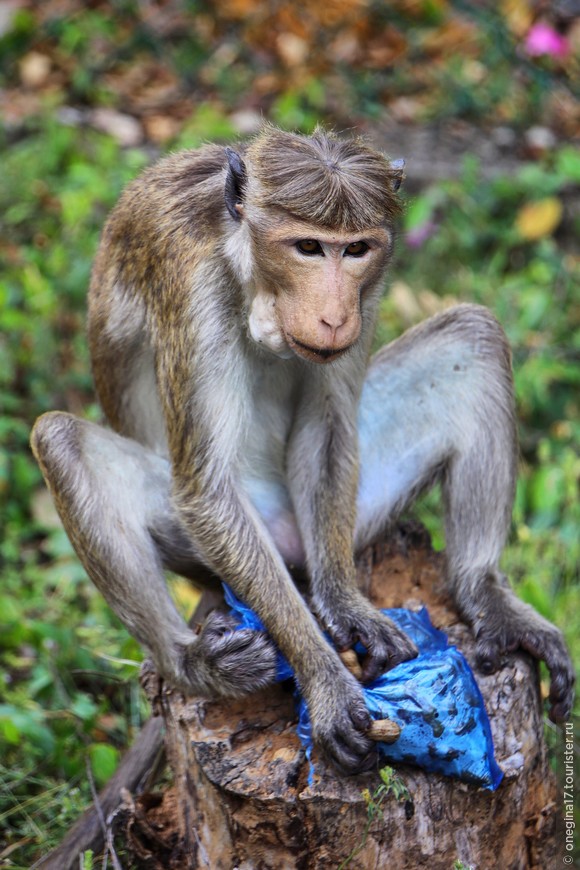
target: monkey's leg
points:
(438, 404)
(113, 498)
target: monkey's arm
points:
(236, 545)
(323, 479)
(233, 540)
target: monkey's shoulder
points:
(181, 192)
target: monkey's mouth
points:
(318, 354)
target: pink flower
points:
(419, 235)
(543, 39)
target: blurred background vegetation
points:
(91, 92)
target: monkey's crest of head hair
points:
(339, 183)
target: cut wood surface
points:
(240, 796)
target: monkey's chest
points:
(263, 455)
(263, 463)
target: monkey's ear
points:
(235, 184)
(397, 173)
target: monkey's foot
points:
(223, 662)
(508, 624)
(340, 722)
(358, 620)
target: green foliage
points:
(208, 123)
(61, 702)
(300, 109)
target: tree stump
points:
(240, 796)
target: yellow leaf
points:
(518, 14)
(538, 219)
(185, 595)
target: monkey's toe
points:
(548, 644)
(217, 624)
(489, 656)
(225, 662)
(524, 629)
(562, 681)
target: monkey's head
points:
(313, 234)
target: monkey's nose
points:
(332, 328)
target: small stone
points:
(124, 128)
(292, 49)
(246, 121)
(539, 140)
(504, 138)
(34, 69)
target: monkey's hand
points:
(355, 619)
(339, 718)
(505, 624)
(222, 662)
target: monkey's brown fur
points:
(231, 311)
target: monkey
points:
(231, 312)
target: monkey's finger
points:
(373, 666)
(561, 695)
(348, 762)
(349, 749)
(382, 657)
(361, 718)
(560, 712)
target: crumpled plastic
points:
(434, 698)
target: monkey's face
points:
(310, 285)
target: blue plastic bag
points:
(434, 698)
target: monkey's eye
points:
(356, 249)
(310, 247)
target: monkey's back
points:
(158, 234)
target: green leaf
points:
(419, 212)
(547, 490)
(104, 761)
(16, 722)
(568, 164)
(84, 707)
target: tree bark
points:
(240, 795)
